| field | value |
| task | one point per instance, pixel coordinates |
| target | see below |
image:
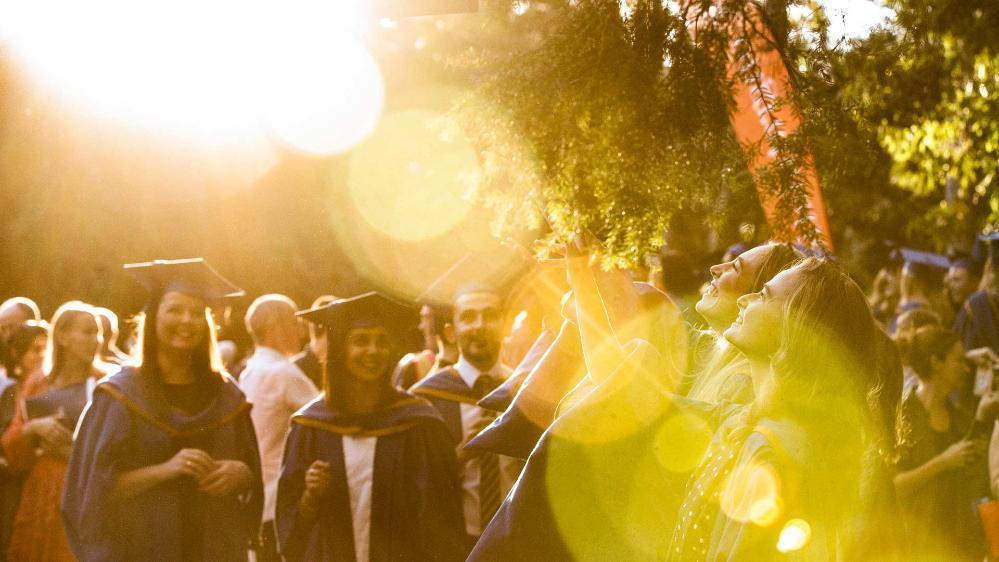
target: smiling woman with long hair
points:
(70, 363)
(165, 465)
(611, 435)
(782, 475)
(369, 471)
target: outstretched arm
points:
(602, 351)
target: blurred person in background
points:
(961, 280)
(942, 468)
(277, 389)
(921, 286)
(311, 359)
(885, 293)
(977, 323)
(908, 323)
(230, 355)
(110, 353)
(14, 312)
(71, 369)
(25, 355)
(440, 348)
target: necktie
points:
(489, 475)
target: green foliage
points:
(611, 124)
(925, 89)
(955, 141)
(594, 117)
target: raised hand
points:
(318, 479)
(960, 454)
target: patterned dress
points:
(38, 533)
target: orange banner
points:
(751, 120)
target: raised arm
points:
(602, 351)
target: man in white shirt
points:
(454, 391)
(277, 389)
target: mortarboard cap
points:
(990, 241)
(189, 276)
(372, 309)
(919, 257)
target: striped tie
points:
(489, 470)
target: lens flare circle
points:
(794, 536)
(409, 181)
(752, 494)
(681, 441)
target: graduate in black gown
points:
(369, 470)
(165, 463)
(625, 445)
(977, 322)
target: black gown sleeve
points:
(441, 517)
(293, 534)
(99, 449)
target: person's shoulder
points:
(230, 387)
(35, 382)
(126, 375)
(315, 409)
(418, 406)
(444, 377)
(419, 413)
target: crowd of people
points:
(765, 409)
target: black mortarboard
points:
(919, 257)
(368, 309)
(991, 242)
(189, 276)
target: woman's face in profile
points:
(180, 322)
(757, 328)
(729, 281)
(366, 353)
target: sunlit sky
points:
(853, 19)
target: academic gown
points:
(501, 398)
(129, 425)
(977, 322)
(416, 511)
(605, 480)
(531, 410)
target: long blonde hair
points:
(63, 318)
(714, 378)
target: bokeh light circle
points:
(411, 182)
